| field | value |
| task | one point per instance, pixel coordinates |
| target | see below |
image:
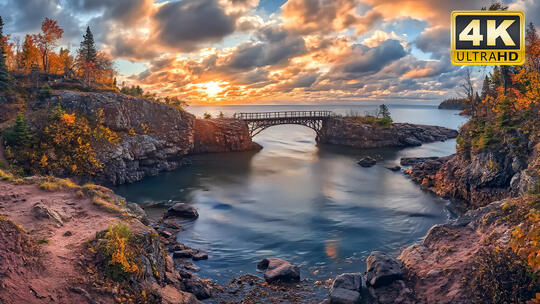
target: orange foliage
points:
(46, 40)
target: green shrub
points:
(45, 92)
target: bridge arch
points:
(260, 121)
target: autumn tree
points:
(29, 55)
(4, 74)
(46, 40)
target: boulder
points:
(382, 269)
(350, 281)
(41, 210)
(393, 168)
(138, 212)
(278, 270)
(182, 210)
(200, 256)
(367, 161)
(344, 296)
(198, 287)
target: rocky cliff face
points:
(480, 177)
(154, 137)
(222, 135)
(341, 131)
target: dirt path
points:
(62, 244)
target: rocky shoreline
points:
(346, 132)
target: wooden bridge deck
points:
(259, 121)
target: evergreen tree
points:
(87, 57)
(4, 74)
(485, 87)
(87, 51)
(20, 135)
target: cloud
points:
(434, 40)
(364, 60)
(325, 16)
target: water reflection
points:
(312, 205)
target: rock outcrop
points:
(346, 289)
(342, 131)
(222, 135)
(154, 136)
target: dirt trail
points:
(62, 244)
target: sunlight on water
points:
(311, 205)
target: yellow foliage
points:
(55, 184)
(525, 239)
(118, 246)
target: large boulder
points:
(278, 270)
(182, 210)
(382, 269)
(344, 296)
(346, 288)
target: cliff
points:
(153, 137)
(222, 135)
(453, 104)
(342, 131)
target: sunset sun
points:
(211, 88)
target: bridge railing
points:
(282, 114)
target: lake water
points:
(311, 205)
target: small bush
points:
(500, 276)
(207, 115)
(45, 92)
(120, 252)
(6, 176)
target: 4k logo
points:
(487, 37)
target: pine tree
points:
(4, 74)
(20, 135)
(383, 111)
(87, 51)
(87, 56)
(485, 87)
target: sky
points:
(268, 51)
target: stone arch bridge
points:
(260, 121)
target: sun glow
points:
(211, 88)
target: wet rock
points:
(176, 247)
(199, 288)
(200, 256)
(41, 210)
(382, 269)
(182, 254)
(182, 210)
(278, 270)
(344, 296)
(367, 161)
(350, 281)
(394, 293)
(409, 161)
(393, 168)
(172, 225)
(165, 234)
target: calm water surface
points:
(311, 205)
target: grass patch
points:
(6, 176)
(371, 120)
(55, 184)
(104, 204)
